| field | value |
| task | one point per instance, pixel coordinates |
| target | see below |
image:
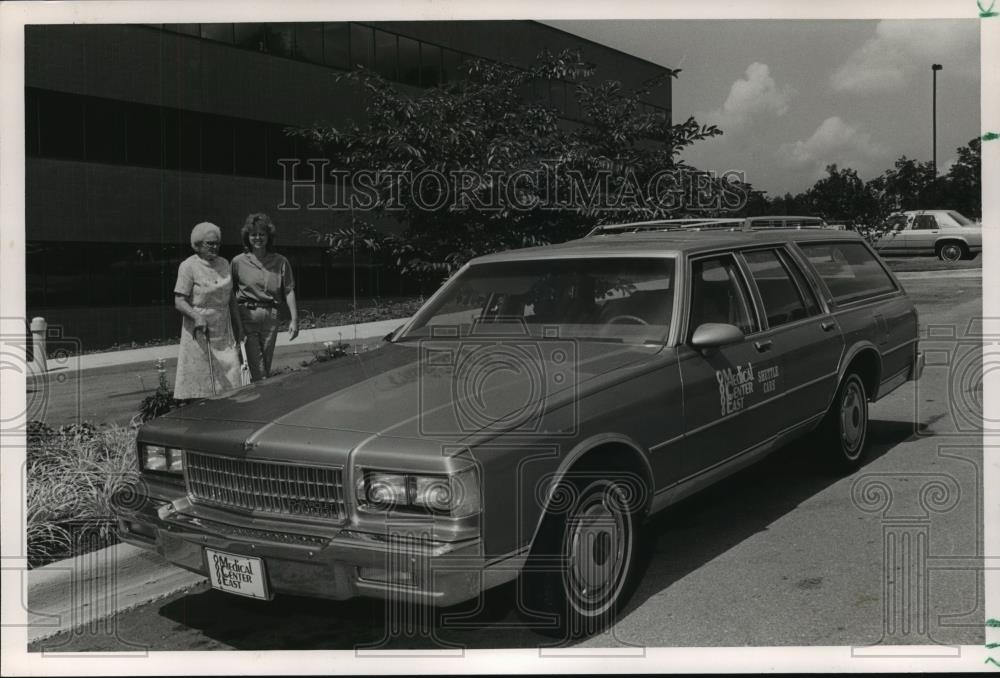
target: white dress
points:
(208, 286)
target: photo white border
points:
(13, 16)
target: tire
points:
(843, 435)
(583, 563)
(952, 251)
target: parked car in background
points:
(531, 416)
(944, 233)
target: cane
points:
(211, 362)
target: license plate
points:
(241, 575)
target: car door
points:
(725, 411)
(922, 233)
(893, 240)
(805, 338)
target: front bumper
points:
(339, 564)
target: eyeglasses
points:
(210, 244)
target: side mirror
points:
(714, 335)
(389, 336)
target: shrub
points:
(161, 402)
(73, 474)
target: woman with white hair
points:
(207, 363)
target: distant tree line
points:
(843, 197)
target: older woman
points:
(263, 281)
(207, 362)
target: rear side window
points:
(782, 298)
(849, 270)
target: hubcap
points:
(853, 419)
(951, 252)
(597, 542)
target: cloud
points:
(901, 50)
(749, 99)
(834, 142)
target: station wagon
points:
(531, 416)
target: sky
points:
(794, 96)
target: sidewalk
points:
(346, 333)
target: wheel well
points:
(868, 366)
(617, 457)
(945, 241)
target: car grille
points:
(265, 486)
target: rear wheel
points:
(582, 565)
(843, 434)
(952, 251)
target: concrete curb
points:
(91, 587)
(346, 333)
(923, 275)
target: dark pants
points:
(260, 325)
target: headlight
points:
(161, 459)
(456, 495)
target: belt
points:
(257, 304)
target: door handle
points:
(827, 325)
(762, 346)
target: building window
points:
(181, 140)
(218, 33)
(60, 120)
(386, 54)
(186, 29)
(362, 46)
(143, 135)
(279, 147)
(251, 36)
(451, 67)
(250, 149)
(105, 131)
(217, 145)
(30, 122)
(281, 39)
(430, 64)
(409, 61)
(337, 44)
(309, 42)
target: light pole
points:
(934, 71)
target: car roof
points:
(662, 243)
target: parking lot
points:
(780, 554)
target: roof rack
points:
(698, 224)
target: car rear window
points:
(849, 269)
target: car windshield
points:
(627, 300)
(960, 218)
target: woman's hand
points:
(293, 329)
(200, 323)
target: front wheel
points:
(582, 565)
(951, 251)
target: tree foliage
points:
(495, 130)
(842, 196)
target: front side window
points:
(849, 269)
(783, 301)
(718, 295)
(625, 300)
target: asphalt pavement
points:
(779, 554)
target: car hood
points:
(403, 390)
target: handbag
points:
(245, 376)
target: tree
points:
(485, 163)
(965, 180)
(842, 196)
